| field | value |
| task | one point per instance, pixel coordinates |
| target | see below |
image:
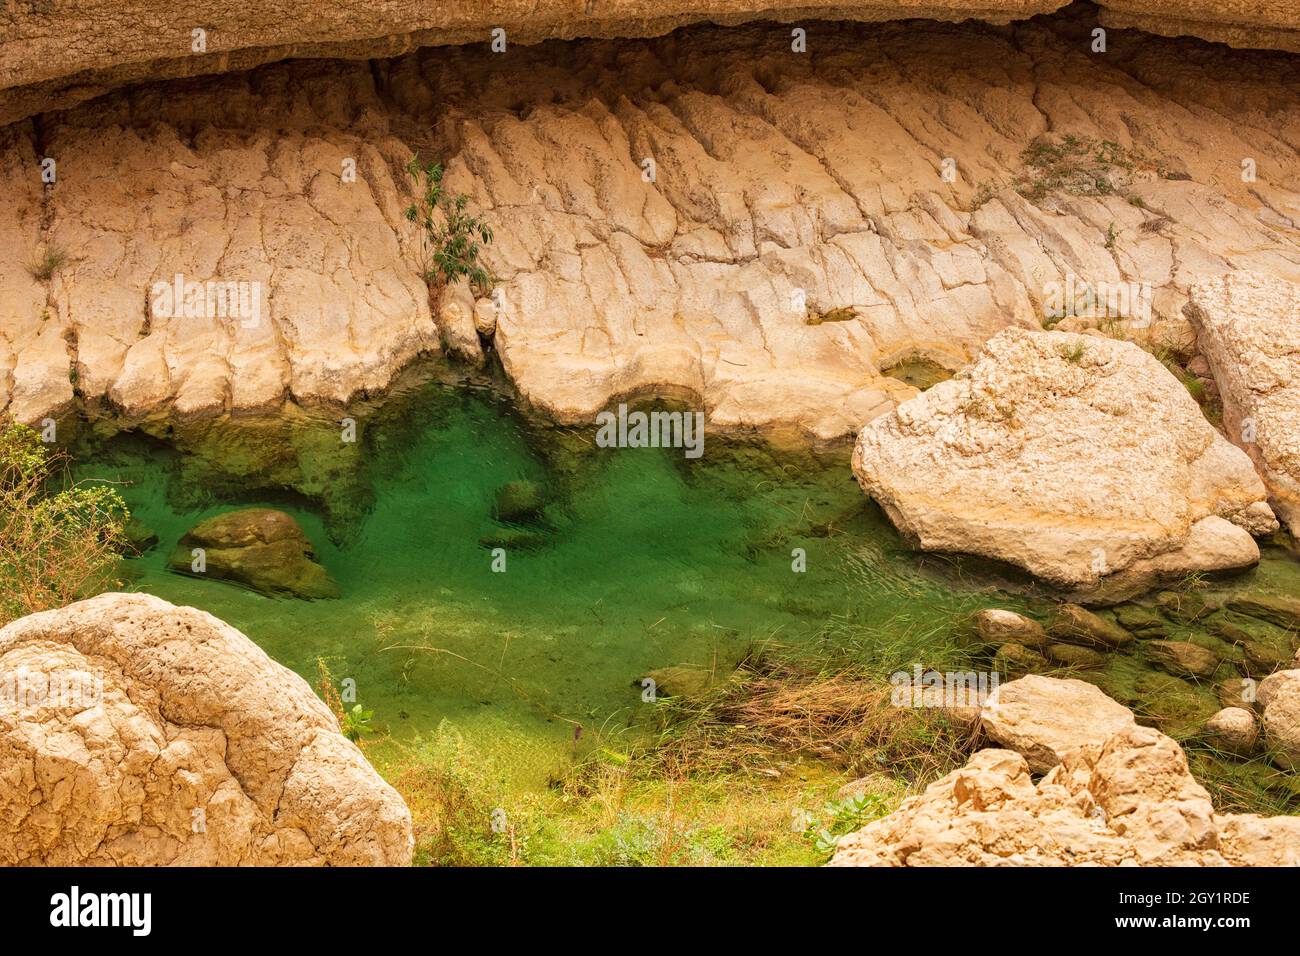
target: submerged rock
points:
(519, 501)
(140, 538)
(1182, 659)
(997, 626)
(192, 723)
(1032, 456)
(1077, 625)
(261, 548)
(1073, 655)
(1276, 609)
(1017, 660)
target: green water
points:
(652, 561)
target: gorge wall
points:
(54, 53)
(707, 213)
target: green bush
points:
(451, 238)
(59, 540)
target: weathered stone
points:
(1248, 326)
(1188, 607)
(1129, 800)
(997, 626)
(1077, 625)
(698, 281)
(1143, 622)
(140, 538)
(261, 548)
(1074, 655)
(1280, 696)
(1017, 660)
(1282, 610)
(519, 501)
(1031, 455)
(1233, 729)
(192, 721)
(1182, 659)
(1042, 718)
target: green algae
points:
(649, 561)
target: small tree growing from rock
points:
(59, 540)
(451, 239)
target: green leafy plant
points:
(451, 239)
(356, 722)
(60, 540)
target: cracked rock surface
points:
(51, 60)
(791, 238)
(1126, 800)
(1248, 328)
(197, 750)
(1078, 458)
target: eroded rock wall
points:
(54, 55)
(792, 235)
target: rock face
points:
(196, 749)
(1077, 458)
(262, 548)
(658, 229)
(1043, 718)
(1126, 798)
(48, 60)
(1248, 327)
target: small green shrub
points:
(451, 239)
(60, 541)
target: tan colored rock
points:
(1233, 729)
(999, 626)
(764, 215)
(1077, 625)
(47, 60)
(1280, 696)
(261, 548)
(1126, 799)
(1044, 718)
(194, 748)
(1077, 458)
(1248, 327)
(1182, 659)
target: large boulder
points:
(1032, 456)
(1043, 718)
(1248, 327)
(261, 548)
(150, 734)
(1121, 798)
